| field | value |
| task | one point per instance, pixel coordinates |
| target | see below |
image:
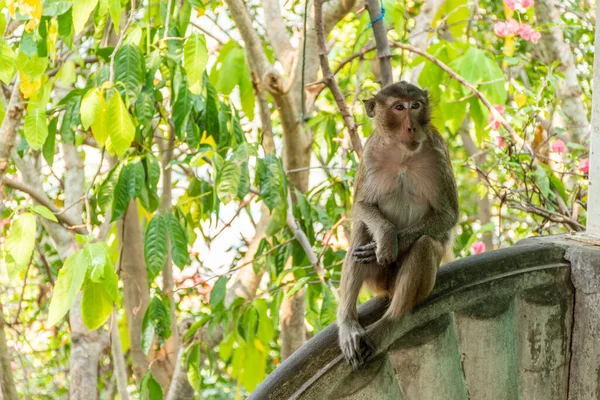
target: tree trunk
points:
(419, 36)
(86, 347)
(554, 48)
(8, 390)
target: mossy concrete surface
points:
(499, 325)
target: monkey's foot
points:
(355, 345)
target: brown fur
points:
(405, 205)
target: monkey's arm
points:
(385, 243)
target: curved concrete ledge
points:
(479, 287)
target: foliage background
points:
(169, 211)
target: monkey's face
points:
(401, 111)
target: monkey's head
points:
(401, 110)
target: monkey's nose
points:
(411, 129)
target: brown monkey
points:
(405, 205)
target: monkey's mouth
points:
(411, 144)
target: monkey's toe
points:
(356, 347)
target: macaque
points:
(405, 206)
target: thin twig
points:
(329, 80)
(305, 243)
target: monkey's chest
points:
(403, 195)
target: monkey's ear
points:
(370, 106)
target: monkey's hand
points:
(354, 344)
(384, 251)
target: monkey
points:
(405, 206)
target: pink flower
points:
(478, 247)
(493, 121)
(512, 4)
(528, 33)
(559, 146)
(584, 165)
(506, 29)
(526, 3)
(500, 141)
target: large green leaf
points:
(98, 298)
(183, 105)
(7, 62)
(120, 196)
(114, 7)
(152, 170)
(479, 68)
(35, 126)
(178, 239)
(195, 57)
(155, 246)
(69, 281)
(90, 107)
(20, 243)
(150, 388)
(121, 129)
(49, 145)
(130, 70)
(271, 181)
(100, 128)
(135, 178)
(44, 212)
(217, 294)
(228, 181)
(81, 13)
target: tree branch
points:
(330, 81)
(381, 41)
(41, 198)
(8, 129)
(278, 34)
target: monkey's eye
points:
(415, 105)
(400, 107)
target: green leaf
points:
(152, 170)
(328, 308)
(271, 181)
(7, 62)
(195, 58)
(228, 181)
(157, 320)
(211, 113)
(53, 8)
(50, 143)
(90, 108)
(130, 69)
(247, 93)
(35, 126)
(20, 243)
(96, 257)
(150, 389)
(81, 13)
(99, 125)
(183, 105)
(300, 283)
(155, 246)
(120, 126)
(135, 178)
(480, 68)
(178, 239)
(69, 281)
(217, 294)
(96, 305)
(120, 196)
(44, 212)
(456, 14)
(114, 7)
